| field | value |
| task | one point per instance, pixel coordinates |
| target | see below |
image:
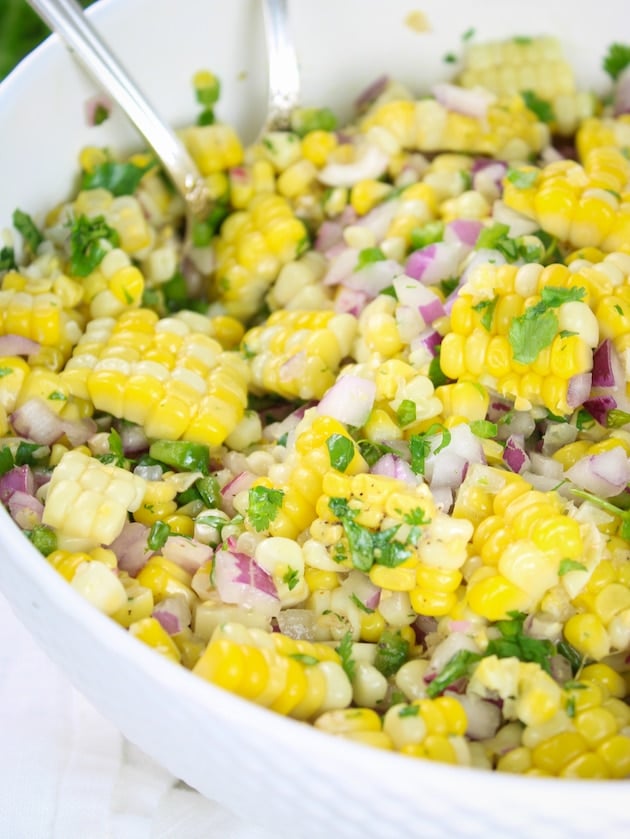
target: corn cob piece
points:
(90, 500)
(486, 343)
(508, 132)
(529, 66)
(161, 374)
(295, 678)
(582, 205)
(522, 545)
(41, 316)
(297, 354)
(586, 737)
(299, 478)
(214, 148)
(599, 132)
(253, 245)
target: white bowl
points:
(280, 773)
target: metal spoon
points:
(284, 75)
(68, 20)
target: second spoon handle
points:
(284, 76)
(68, 20)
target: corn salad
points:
(362, 454)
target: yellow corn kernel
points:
(616, 754)
(317, 146)
(493, 597)
(588, 635)
(552, 755)
(372, 626)
(604, 676)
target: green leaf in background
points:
(20, 32)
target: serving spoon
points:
(69, 21)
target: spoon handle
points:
(68, 20)
(284, 76)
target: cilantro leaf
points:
(567, 565)
(392, 651)
(344, 650)
(291, 578)
(28, 230)
(521, 179)
(540, 107)
(426, 235)
(486, 307)
(420, 446)
(117, 178)
(536, 328)
(457, 667)
(406, 412)
(86, 250)
(361, 605)
(7, 259)
(264, 504)
(484, 428)
(515, 643)
(616, 60)
(367, 256)
(340, 451)
(159, 533)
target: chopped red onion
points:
(434, 263)
(25, 510)
(349, 400)
(578, 389)
(134, 440)
(131, 547)
(373, 277)
(472, 102)
(187, 553)
(448, 466)
(411, 292)
(483, 718)
(149, 473)
(514, 454)
(442, 497)
(18, 479)
(599, 406)
(360, 586)
(17, 345)
(447, 648)
(429, 339)
(548, 467)
(392, 466)
(329, 234)
(298, 624)
(607, 368)
(463, 231)
(239, 483)
(350, 301)
(371, 93)
(35, 421)
(239, 579)
(379, 218)
(173, 613)
(293, 367)
(341, 266)
(605, 474)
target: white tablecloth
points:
(68, 773)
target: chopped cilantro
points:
(116, 454)
(264, 505)
(303, 658)
(616, 60)
(447, 287)
(449, 58)
(538, 106)
(521, 179)
(389, 291)
(344, 650)
(367, 256)
(29, 454)
(28, 230)
(570, 707)
(365, 546)
(416, 517)
(486, 308)
(436, 374)
(457, 667)
(101, 113)
(522, 40)
(484, 428)
(567, 565)
(282, 440)
(515, 643)
(616, 418)
(7, 259)
(420, 446)
(86, 250)
(340, 451)
(159, 533)
(603, 504)
(117, 178)
(361, 605)
(57, 396)
(427, 235)
(291, 578)
(406, 412)
(305, 120)
(468, 34)
(536, 328)
(6, 460)
(409, 711)
(371, 452)
(392, 652)
(575, 659)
